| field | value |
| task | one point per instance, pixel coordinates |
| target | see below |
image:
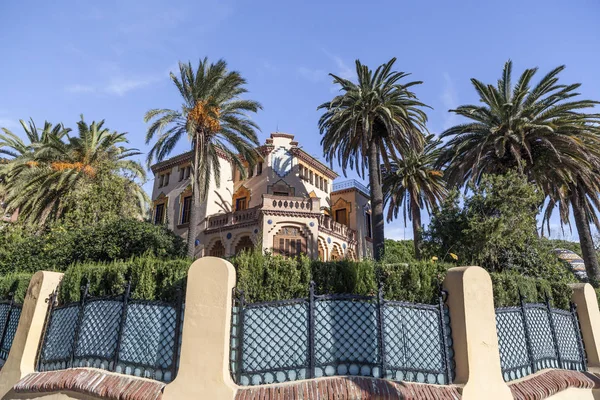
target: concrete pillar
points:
(473, 322)
(22, 357)
(589, 320)
(204, 362)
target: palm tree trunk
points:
(376, 201)
(585, 238)
(193, 225)
(416, 223)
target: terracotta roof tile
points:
(348, 388)
(91, 382)
(547, 383)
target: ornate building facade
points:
(288, 204)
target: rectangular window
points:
(250, 172)
(301, 168)
(259, 168)
(188, 170)
(160, 180)
(369, 227)
(181, 174)
(310, 177)
(185, 212)
(321, 182)
(340, 216)
(280, 194)
(326, 186)
(159, 214)
(167, 179)
(281, 248)
(240, 204)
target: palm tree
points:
(415, 183)
(370, 122)
(38, 181)
(542, 133)
(13, 146)
(214, 119)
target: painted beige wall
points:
(357, 220)
(204, 361)
(473, 322)
(589, 320)
(22, 356)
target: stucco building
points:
(288, 203)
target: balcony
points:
(328, 225)
(232, 218)
(352, 184)
(293, 204)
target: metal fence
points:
(115, 333)
(535, 336)
(326, 335)
(10, 312)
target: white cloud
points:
(121, 86)
(449, 99)
(80, 89)
(312, 75)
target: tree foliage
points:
(374, 120)
(56, 174)
(214, 118)
(495, 228)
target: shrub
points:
(507, 285)
(356, 277)
(56, 249)
(416, 282)
(151, 278)
(266, 277)
(16, 283)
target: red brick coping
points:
(91, 382)
(348, 388)
(550, 382)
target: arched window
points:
(218, 250)
(335, 253)
(245, 243)
(289, 242)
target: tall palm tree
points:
(13, 146)
(541, 132)
(415, 183)
(214, 119)
(372, 121)
(38, 181)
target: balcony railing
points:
(351, 184)
(328, 225)
(287, 203)
(232, 218)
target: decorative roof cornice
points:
(181, 159)
(349, 190)
(282, 135)
(313, 162)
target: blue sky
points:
(110, 60)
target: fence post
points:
(121, 325)
(179, 311)
(380, 305)
(51, 300)
(447, 363)
(553, 330)
(240, 353)
(577, 327)
(526, 330)
(84, 295)
(5, 325)
(311, 331)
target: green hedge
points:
(151, 278)
(268, 278)
(16, 283)
(26, 250)
(506, 290)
